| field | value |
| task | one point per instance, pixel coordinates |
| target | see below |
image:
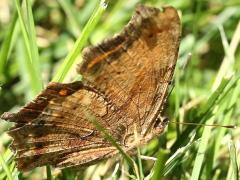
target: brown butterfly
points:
(125, 84)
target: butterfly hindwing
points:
(55, 124)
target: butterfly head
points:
(160, 124)
(158, 128)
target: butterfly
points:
(125, 84)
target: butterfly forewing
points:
(135, 67)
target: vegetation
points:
(42, 40)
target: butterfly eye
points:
(160, 122)
(165, 120)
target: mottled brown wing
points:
(135, 67)
(53, 129)
(125, 83)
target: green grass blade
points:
(8, 156)
(49, 174)
(233, 158)
(113, 16)
(5, 47)
(214, 97)
(176, 158)
(34, 77)
(140, 167)
(86, 11)
(5, 167)
(72, 16)
(33, 42)
(78, 46)
(201, 151)
(158, 170)
(229, 51)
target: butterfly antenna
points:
(201, 124)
